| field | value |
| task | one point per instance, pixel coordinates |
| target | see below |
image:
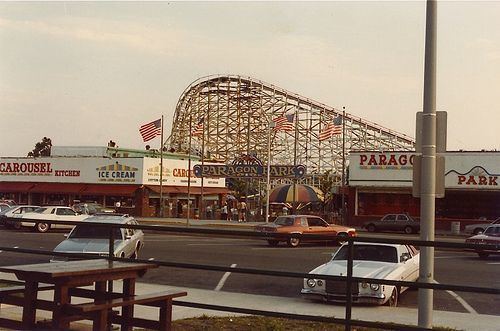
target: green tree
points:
(42, 148)
(239, 186)
(327, 183)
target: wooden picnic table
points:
(66, 277)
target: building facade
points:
(381, 183)
(130, 184)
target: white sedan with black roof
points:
(370, 260)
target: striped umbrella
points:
(303, 193)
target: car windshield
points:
(40, 210)
(493, 231)
(4, 211)
(369, 253)
(93, 232)
(284, 221)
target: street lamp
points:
(270, 126)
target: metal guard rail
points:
(347, 321)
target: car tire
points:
(16, 225)
(42, 227)
(371, 228)
(394, 298)
(293, 242)
(483, 255)
(273, 243)
(408, 230)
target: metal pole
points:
(270, 125)
(428, 171)
(161, 169)
(189, 168)
(348, 308)
(343, 167)
(111, 254)
(296, 119)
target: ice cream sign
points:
(117, 173)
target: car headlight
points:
(374, 287)
(311, 282)
(320, 282)
(364, 285)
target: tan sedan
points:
(302, 224)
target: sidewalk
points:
(459, 321)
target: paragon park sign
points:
(248, 170)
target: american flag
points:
(331, 129)
(150, 130)
(198, 129)
(284, 123)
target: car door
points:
(411, 265)
(401, 222)
(316, 225)
(129, 240)
(65, 214)
(388, 222)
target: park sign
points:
(248, 170)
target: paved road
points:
(454, 267)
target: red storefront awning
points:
(110, 189)
(15, 187)
(68, 188)
(184, 189)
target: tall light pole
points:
(270, 126)
(428, 170)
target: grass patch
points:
(260, 323)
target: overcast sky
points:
(85, 73)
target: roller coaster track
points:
(237, 111)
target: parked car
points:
(302, 224)
(490, 237)
(477, 228)
(7, 216)
(50, 213)
(370, 260)
(91, 239)
(91, 208)
(394, 222)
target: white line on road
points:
(493, 263)
(223, 279)
(151, 259)
(461, 301)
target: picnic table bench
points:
(99, 311)
(67, 279)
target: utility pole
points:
(428, 170)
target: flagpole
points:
(189, 169)
(161, 169)
(202, 206)
(343, 166)
(295, 160)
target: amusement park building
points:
(381, 183)
(107, 176)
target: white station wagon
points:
(50, 213)
(371, 260)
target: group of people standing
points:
(234, 210)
